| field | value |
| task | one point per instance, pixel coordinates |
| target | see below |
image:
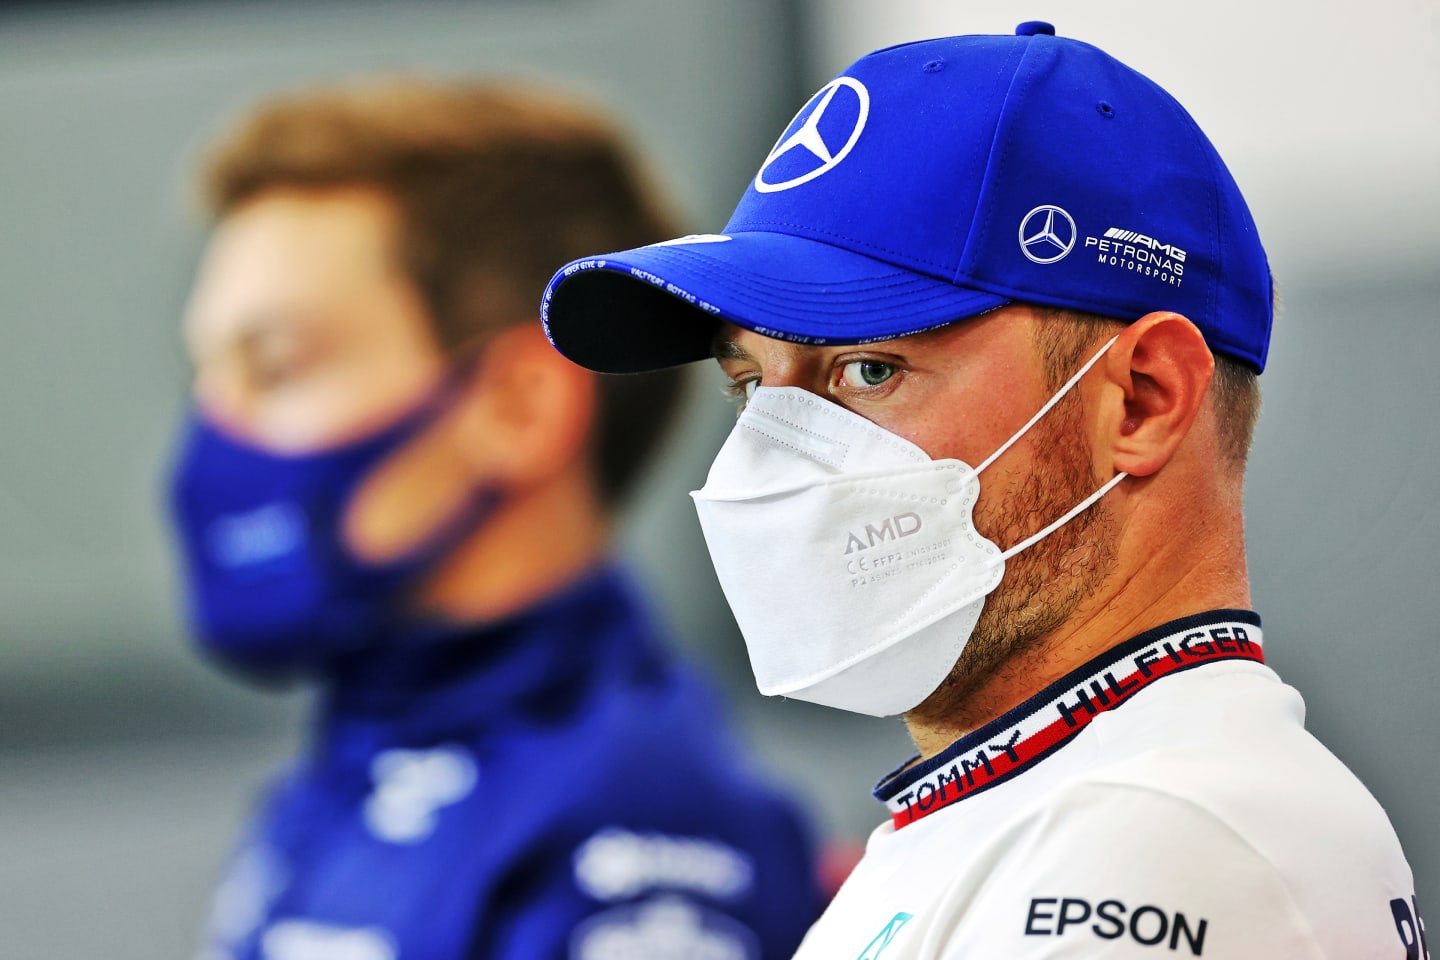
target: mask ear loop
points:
(1075, 511)
(478, 504)
(1059, 395)
(1083, 505)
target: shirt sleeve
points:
(1124, 871)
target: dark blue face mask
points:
(273, 588)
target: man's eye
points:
(278, 362)
(866, 373)
(742, 390)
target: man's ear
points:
(1156, 377)
(527, 411)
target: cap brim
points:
(661, 305)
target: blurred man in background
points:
(391, 485)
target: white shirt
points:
(1164, 800)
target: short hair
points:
(496, 187)
(1065, 337)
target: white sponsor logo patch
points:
(266, 533)
(668, 929)
(1047, 234)
(847, 102)
(616, 864)
(250, 886)
(1139, 253)
(693, 238)
(305, 940)
(411, 786)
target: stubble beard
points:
(1044, 584)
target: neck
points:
(536, 542)
(1198, 564)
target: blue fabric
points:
(550, 786)
(935, 181)
(272, 587)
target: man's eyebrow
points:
(723, 347)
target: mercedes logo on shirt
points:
(822, 135)
(1047, 234)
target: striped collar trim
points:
(1011, 744)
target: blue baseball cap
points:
(935, 181)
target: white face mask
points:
(850, 558)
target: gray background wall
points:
(124, 765)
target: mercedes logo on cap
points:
(1047, 234)
(847, 112)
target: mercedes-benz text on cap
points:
(935, 181)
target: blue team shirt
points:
(551, 786)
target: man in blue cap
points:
(996, 310)
(392, 486)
